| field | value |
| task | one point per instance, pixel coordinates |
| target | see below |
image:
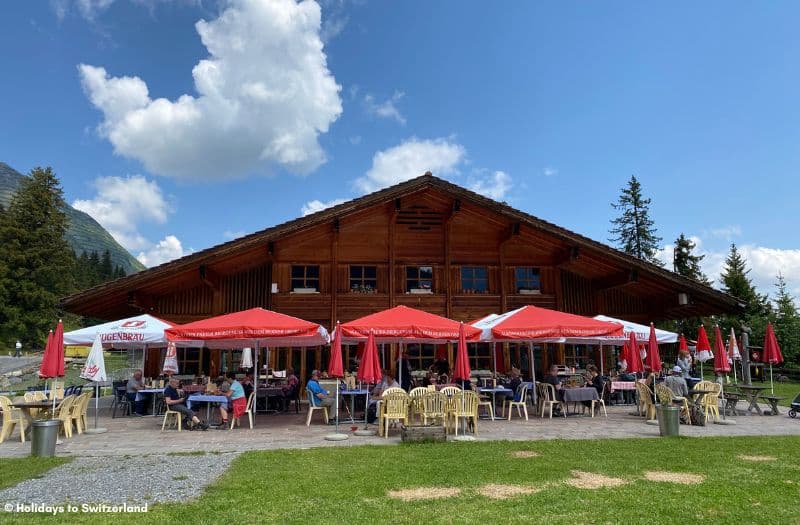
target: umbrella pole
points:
(400, 363)
(771, 384)
(96, 402)
(337, 405)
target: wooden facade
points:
(375, 252)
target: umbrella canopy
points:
(632, 356)
(462, 371)
(369, 369)
(721, 364)
(642, 331)
(653, 359)
(335, 365)
(772, 352)
(95, 367)
(682, 346)
(171, 360)
(733, 347)
(53, 358)
(404, 324)
(131, 332)
(703, 346)
(541, 324)
(251, 327)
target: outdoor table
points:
(578, 394)
(352, 394)
(624, 387)
(494, 391)
(27, 407)
(268, 392)
(154, 391)
(731, 399)
(751, 394)
(773, 404)
(207, 399)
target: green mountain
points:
(84, 234)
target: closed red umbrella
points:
(772, 352)
(369, 369)
(733, 352)
(53, 359)
(682, 346)
(462, 371)
(335, 366)
(653, 359)
(721, 364)
(703, 348)
(633, 357)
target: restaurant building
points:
(425, 243)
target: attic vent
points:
(419, 218)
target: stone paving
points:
(136, 436)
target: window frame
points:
(362, 283)
(305, 279)
(473, 270)
(523, 285)
(418, 279)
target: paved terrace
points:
(136, 436)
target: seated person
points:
(442, 367)
(247, 384)
(387, 382)
(553, 379)
(238, 401)
(177, 402)
(593, 378)
(515, 379)
(677, 383)
(319, 396)
(135, 384)
(292, 383)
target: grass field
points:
(693, 480)
(14, 470)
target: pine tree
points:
(686, 263)
(106, 267)
(40, 262)
(634, 230)
(787, 322)
(735, 282)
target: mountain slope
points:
(84, 233)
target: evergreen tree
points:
(686, 263)
(634, 230)
(787, 322)
(106, 267)
(736, 282)
(39, 261)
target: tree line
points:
(634, 232)
(37, 265)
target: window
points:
(305, 278)
(363, 279)
(419, 279)
(527, 279)
(480, 356)
(474, 279)
(576, 355)
(421, 356)
(189, 360)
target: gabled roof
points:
(260, 238)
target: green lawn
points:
(14, 470)
(351, 485)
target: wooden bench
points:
(423, 433)
(731, 399)
(773, 404)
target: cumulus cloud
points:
(726, 232)
(410, 159)
(264, 95)
(494, 186)
(165, 250)
(122, 204)
(230, 235)
(387, 108)
(549, 172)
(317, 205)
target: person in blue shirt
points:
(319, 396)
(238, 401)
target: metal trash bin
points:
(44, 436)
(668, 420)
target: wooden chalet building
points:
(424, 243)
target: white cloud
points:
(317, 205)
(726, 232)
(88, 9)
(387, 108)
(165, 250)
(355, 140)
(410, 159)
(122, 203)
(264, 95)
(229, 235)
(494, 186)
(549, 172)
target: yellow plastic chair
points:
(11, 418)
(522, 390)
(57, 390)
(434, 405)
(416, 408)
(78, 411)
(64, 414)
(172, 414)
(248, 411)
(465, 405)
(39, 395)
(710, 402)
(450, 391)
(487, 403)
(312, 408)
(395, 408)
(548, 399)
(646, 400)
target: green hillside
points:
(84, 234)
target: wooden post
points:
(448, 288)
(334, 272)
(392, 269)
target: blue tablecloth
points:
(205, 398)
(140, 393)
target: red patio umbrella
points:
(682, 346)
(721, 364)
(369, 369)
(771, 352)
(44, 369)
(52, 365)
(533, 323)
(653, 359)
(733, 352)
(335, 366)
(633, 357)
(703, 348)
(462, 370)
(402, 324)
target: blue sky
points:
(179, 136)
